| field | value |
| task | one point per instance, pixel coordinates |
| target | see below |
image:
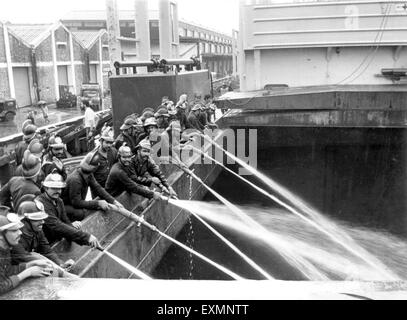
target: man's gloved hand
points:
(118, 204)
(155, 180)
(58, 163)
(93, 241)
(67, 265)
(103, 205)
(157, 196)
(172, 192)
(77, 225)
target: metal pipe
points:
(130, 64)
(173, 62)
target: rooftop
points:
(29, 33)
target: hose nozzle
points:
(100, 248)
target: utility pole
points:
(113, 31)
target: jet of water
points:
(128, 266)
(345, 240)
(226, 241)
(308, 270)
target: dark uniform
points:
(48, 166)
(9, 272)
(19, 150)
(15, 189)
(58, 226)
(123, 137)
(194, 122)
(119, 181)
(32, 241)
(141, 169)
(74, 194)
(107, 160)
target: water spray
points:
(333, 237)
(129, 267)
(288, 254)
(140, 220)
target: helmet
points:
(54, 180)
(32, 210)
(144, 144)
(31, 165)
(128, 123)
(125, 151)
(41, 103)
(196, 107)
(150, 122)
(162, 112)
(36, 148)
(172, 111)
(147, 115)
(4, 210)
(147, 109)
(107, 135)
(10, 221)
(90, 162)
(55, 142)
(29, 131)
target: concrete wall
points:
(2, 48)
(317, 66)
(46, 83)
(63, 50)
(44, 51)
(4, 86)
(20, 53)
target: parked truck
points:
(8, 109)
(91, 93)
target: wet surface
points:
(56, 115)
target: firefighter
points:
(194, 118)
(119, 179)
(77, 184)
(57, 225)
(162, 116)
(29, 133)
(107, 155)
(37, 150)
(126, 135)
(17, 187)
(146, 171)
(33, 238)
(52, 160)
(12, 275)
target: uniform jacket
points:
(9, 272)
(119, 181)
(19, 150)
(48, 166)
(130, 141)
(194, 122)
(17, 187)
(58, 225)
(32, 241)
(76, 190)
(140, 169)
(107, 160)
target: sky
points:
(221, 15)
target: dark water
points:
(360, 186)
